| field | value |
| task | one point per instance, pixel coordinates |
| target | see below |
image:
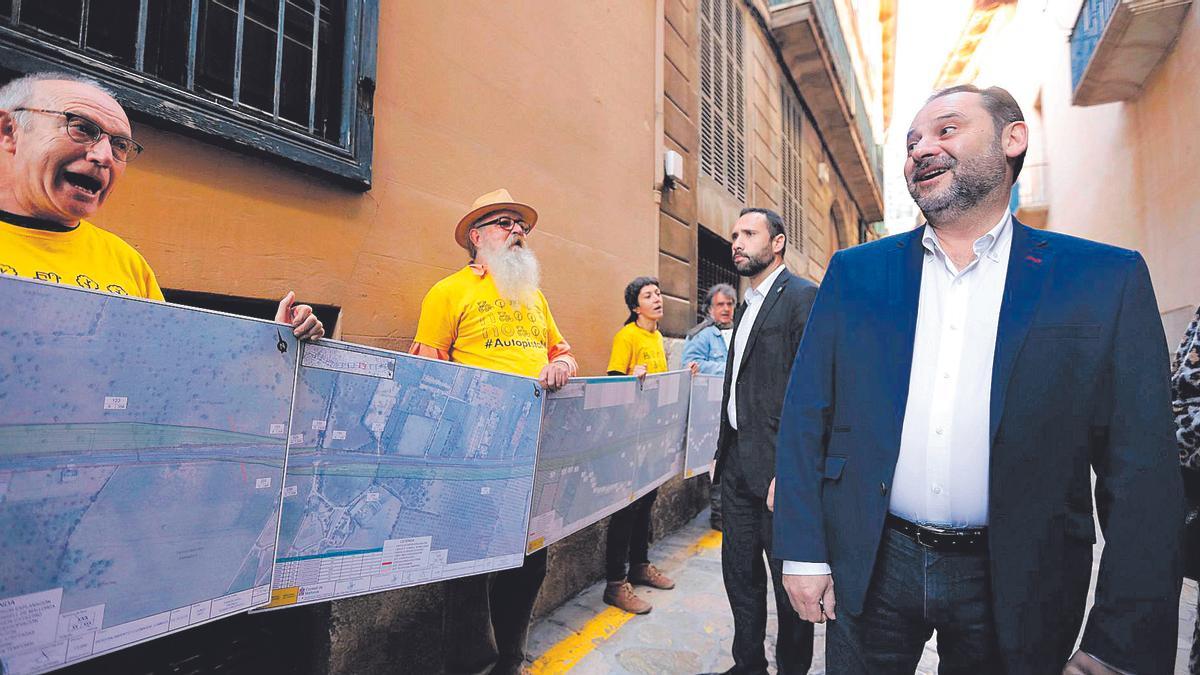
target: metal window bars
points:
(716, 267)
(279, 60)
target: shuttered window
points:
(792, 172)
(722, 96)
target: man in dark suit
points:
(955, 389)
(766, 333)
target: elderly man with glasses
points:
(491, 314)
(708, 346)
(64, 144)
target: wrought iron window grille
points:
(288, 79)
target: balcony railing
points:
(1089, 26)
(856, 112)
(1031, 187)
(1033, 195)
(844, 69)
(1116, 44)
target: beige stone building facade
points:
(1110, 88)
(330, 148)
(763, 103)
(571, 106)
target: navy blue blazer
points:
(1079, 384)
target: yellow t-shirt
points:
(635, 346)
(465, 315)
(86, 256)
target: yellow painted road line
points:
(569, 652)
(565, 655)
(710, 539)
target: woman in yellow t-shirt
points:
(637, 350)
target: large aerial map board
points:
(662, 415)
(587, 459)
(605, 441)
(402, 471)
(704, 423)
(142, 449)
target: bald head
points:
(44, 171)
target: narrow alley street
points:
(690, 629)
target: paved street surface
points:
(691, 628)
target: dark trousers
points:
(745, 537)
(714, 504)
(487, 618)
(629, 537)
(913, 592)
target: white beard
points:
(515, 272)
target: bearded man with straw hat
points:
(491, 314)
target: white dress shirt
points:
(941, 474)
(754, 300)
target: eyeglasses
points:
(82, 130)
(507, 224)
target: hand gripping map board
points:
(704, 423)
(605, 442)
(402, 471)
(142, 449)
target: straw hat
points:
(497, 200)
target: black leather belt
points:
(941, 539)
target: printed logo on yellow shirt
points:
(81, 280)
(87, 282)
(87, 257)
(504, 324)
(634, 346)
(465, 315)
(652, 359)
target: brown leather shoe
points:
(648, 575)
(620, 594)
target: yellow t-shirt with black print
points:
(465, 315)
(635, 346)
(85, 256)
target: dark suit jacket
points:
(1079, 383)
(762, 380)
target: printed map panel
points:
(605, 441)
(704, 423)
(142, 449)
(587, 459)
(402, 471)
(662, 416)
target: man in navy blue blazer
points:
(955, 389)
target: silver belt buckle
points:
(920, 530)
(927, 529)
